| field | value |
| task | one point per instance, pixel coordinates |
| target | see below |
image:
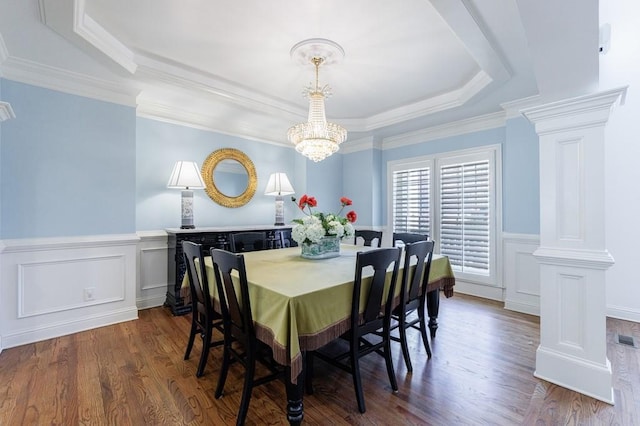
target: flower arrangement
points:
(316, 225)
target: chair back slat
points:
(200, 295)
(415, 280)
(368, 236)
(380, 260)
(234, 297)
(248, 241)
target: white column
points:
(572, 255)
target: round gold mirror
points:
(230, 177)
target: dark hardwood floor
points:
(481, 373)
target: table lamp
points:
(278, 186)
(186, 176)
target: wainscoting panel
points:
(55, 286)
(152, 269)
(521, 273)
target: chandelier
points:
(317, 139)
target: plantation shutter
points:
(411, 200)
(465, 216)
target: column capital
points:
(583, 111)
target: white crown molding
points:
(28, 72)
(92, 32)
(4, 52)
(455, 128)
(591, 110)
(6, 112)
(428, 106)
(171, 114)
(513, 108)
(362, 144)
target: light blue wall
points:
(67, 165)
(521, 178)
(324, 181)
(160, 145)
(362, 183)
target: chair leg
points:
(224, 368)
(389, 362)
(206, 345)
(192, 337)
(247, 388)
(357, 380)
(402, 326)
(423, 330)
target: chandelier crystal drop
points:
(317, 139)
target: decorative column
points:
(572, 255)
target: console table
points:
(209, 237)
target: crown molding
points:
(455, 128)
(591, 110)
(93, 33)
(513, 108)
(452, 99)
(6, 112)
(28, 72)
(171, 114)
(362, 144)
(4, 52)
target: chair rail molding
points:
(51, 287)
(572, 256)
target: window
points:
(453, 198)
(411, 200)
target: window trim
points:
(493, 153)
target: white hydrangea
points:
(314, 232)
(335, 228)
(349, 230)
(298, 233)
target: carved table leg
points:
(433, 306)
(295, 411)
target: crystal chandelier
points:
(317, 139)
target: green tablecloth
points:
(299, 304)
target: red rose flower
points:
(352, 216)
(345, 201)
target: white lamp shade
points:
(186, 174)
(278, 185)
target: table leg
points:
(433, 306)
(295, 411)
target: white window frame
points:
(491, 153)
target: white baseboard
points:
(75, 325)
(151, 302)
(623, 313)
(478, 290)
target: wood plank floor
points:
(481, 373)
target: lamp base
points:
(187, 227)
(278, 224)
(187, 209)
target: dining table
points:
(299, 305)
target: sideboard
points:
(208, 237)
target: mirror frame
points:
(212, 190)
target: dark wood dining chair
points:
(368, 323)
(413, 294)
(408, 237)
(368, 236)
(248, 241)
(235, 304)
(204, 319)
